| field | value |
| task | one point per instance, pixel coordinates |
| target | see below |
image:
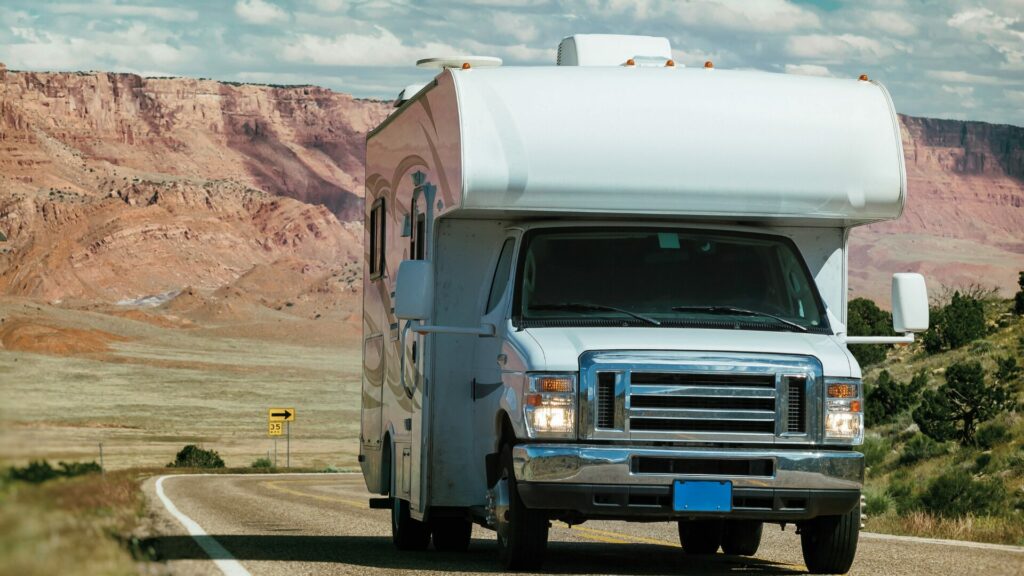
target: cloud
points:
(1003, 34)
(768, 16)
(808, 70)
(134, 49)
(382, 48)
(1016, 97)
(888, 22)
(98, 9)
(964, 77)
(260, 12)
(840, 48)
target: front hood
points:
(559, 349)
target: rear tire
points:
(524, 539)
(741, 537)
(830, 542)
(451, 534)
(700, 537)
(407, 533)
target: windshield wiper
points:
(738, 311)
(584, 306)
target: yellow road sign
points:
(281, 414)
(275, 429)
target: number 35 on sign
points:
(275, 428)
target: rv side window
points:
(417, 245)
(501, 273)
(377, 236)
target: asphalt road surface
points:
(287, 525)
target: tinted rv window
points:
(666, 277)
(377, 236)
(501, 273)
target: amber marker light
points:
(709, 65)
(842, 390)
(863, 78)
(630, 62)
(855, 406)
(533, 399)
(466, 66)
(551, 384)
(670, 63)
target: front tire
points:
(406, 532)
(523, 533)
(700, 537)
(829, 543)
(451, 534)
(742, 537)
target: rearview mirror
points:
(414, 290)
(909, 303)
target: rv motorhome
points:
(616, 288)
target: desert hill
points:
(115, 188)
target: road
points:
(321, 524)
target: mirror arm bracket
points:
(483, 330)
(907, 338)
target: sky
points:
(939, 58)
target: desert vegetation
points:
(945, 442)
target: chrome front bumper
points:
(616, 466)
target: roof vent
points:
(461, 62)
(612, 50)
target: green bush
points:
(876, 503)
(262, 463)
(875, 449)
(955, 409)
(901, 491)
(1007, 369)
(919, 448)
(888, 398)
(992, 434)
(39, 471)
(1018, 298)
(956, 494)
(865, 318)
(982, 460)
(192, 456)
(960, 322)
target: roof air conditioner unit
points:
(611, 49)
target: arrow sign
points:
(281, 414)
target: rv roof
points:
(677, 142)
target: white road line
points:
(220, 556)
(939, 541)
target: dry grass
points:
(978, 529)
(70, 526)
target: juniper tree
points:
(955, 409)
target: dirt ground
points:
(145, 382)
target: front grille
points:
(692, 379)
(705, 466)
(796, 408)
(702, 403)
(605, 400)
(681, 425)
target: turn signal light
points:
(533, 399)
(855, 406)
(842, 390)
(551, 384)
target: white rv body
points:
(481, 156)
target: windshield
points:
(664, 277)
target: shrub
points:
(874, 449)
(192, 456)
(888, 398)
(956, 494)
(919, 448)
(1007, 369)
(865, 318)
(992, 434)
(955, 409)
(901, 491)
(960, 322)
(1018, 298)
(876, 503)
(262, 463)
(37, 472)
(72, 469)
(982, 460)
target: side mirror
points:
(909, 303)
(414, 290)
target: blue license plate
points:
(701, 496)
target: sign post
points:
(279, 423)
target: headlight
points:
(844, 415)
(549, 406)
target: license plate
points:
(701, 496)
